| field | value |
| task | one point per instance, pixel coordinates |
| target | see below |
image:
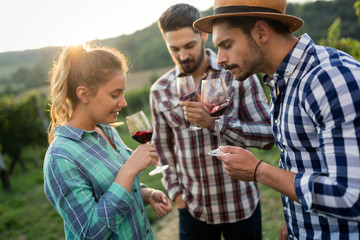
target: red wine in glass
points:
(215, 100)
(188, 97)
(185, 87)
(142, 136)
(141, 130)
(217, 110)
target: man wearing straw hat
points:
(315, 113)
(210, 202)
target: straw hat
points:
(274, 9)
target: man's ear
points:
(83, 94)
(204, 37)
(261, 32)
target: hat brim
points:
(204, 24)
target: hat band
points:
(237, 9)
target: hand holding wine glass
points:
(185, 86)
(215, 100)
(140, 130)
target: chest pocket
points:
(172, 112)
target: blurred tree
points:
(334, 39)
(357, 10)
(11, 130)
(3, 174)
(21, 125)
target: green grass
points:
(271, 206)
(26, 214)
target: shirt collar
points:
(75, 133)
(290, 62)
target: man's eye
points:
(190, 46)
(227, 46)
(114, 96)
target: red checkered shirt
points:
(209, 193)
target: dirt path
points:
(167, 228)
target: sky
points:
(32, 24)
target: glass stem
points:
(217, 128)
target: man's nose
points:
(221, 58)
(183, 54)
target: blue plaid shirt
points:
(79, 171)
(316, 124)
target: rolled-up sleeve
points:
(247, 121)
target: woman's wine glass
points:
(140, 130)
(185, 86)
(215, 100)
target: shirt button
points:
(287, 73)
(135, 190)
(281, 150)
(276, 121)
(290, 236)
(284, 208)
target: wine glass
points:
(140, 130)
(215, 100)
(116, 124)
(186, 92)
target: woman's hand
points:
(143, 156)
(158, 200)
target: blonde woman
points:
(90, 176)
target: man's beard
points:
(192, 68)
(252, 60)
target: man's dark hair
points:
(178, 16)
(246, 24)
